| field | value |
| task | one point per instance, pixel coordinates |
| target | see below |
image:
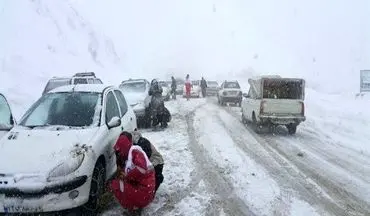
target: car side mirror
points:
(114, 122)
(246, 95)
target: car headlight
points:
(67, 167)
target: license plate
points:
(15, 209)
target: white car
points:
(78, 78)
(61, 154)
(136, 93)
(7, 120)
(196, 90)
(273, 100)
(230, 92)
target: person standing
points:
(187, 87)
(173, 87)
(203, 85)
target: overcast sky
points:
(326, 42)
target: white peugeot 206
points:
(61, 154)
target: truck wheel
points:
(292, 128)
(256, 126)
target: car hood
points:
(39, 150)
(134, 98)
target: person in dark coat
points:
(173, 87)
(157, 104)
(203, 85)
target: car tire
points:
(97, 189)
(244, 120)
(292, 128)
(256, 126)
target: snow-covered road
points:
(215, 165)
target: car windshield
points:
(74, 109)
(212, 83)
(232, 85)
(52, 84)
(195, 82)
(133, 87)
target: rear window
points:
(80, 81)
(283, 89)
(52, 84)
(212, 83)
(231, 85)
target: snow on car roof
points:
(82, 88)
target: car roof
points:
(134, 80)
(99, 88)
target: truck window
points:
(283, 89)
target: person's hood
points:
(123, 146)
(26, 150)
(134, 98)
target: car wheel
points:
(256, 126)
(97, 189)
(292, 128)
(244, 120)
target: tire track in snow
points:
(305, 181)
(218, 184)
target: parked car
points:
(212, 88)
(166, 94)
(78, 78)
(180, 86)
(61, 154)
(136, 93)
(230, 92)
(7, 120)
(273, 100)
(196, 90)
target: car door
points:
(7, 120)
(111, 110)
(128, 119)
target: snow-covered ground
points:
(215, 165)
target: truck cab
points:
(273, 100)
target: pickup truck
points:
(273, 100)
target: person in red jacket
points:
(187, 87)
(134, 187)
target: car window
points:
(75, 109)
(52, 84)
(80, 81)
(112, 109)
(5, 114)
(232, 85)
(97, 81)
(90, 81)
(121, 101)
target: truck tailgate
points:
(282, 107)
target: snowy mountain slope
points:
(41, 39)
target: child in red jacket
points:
(134, 187)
